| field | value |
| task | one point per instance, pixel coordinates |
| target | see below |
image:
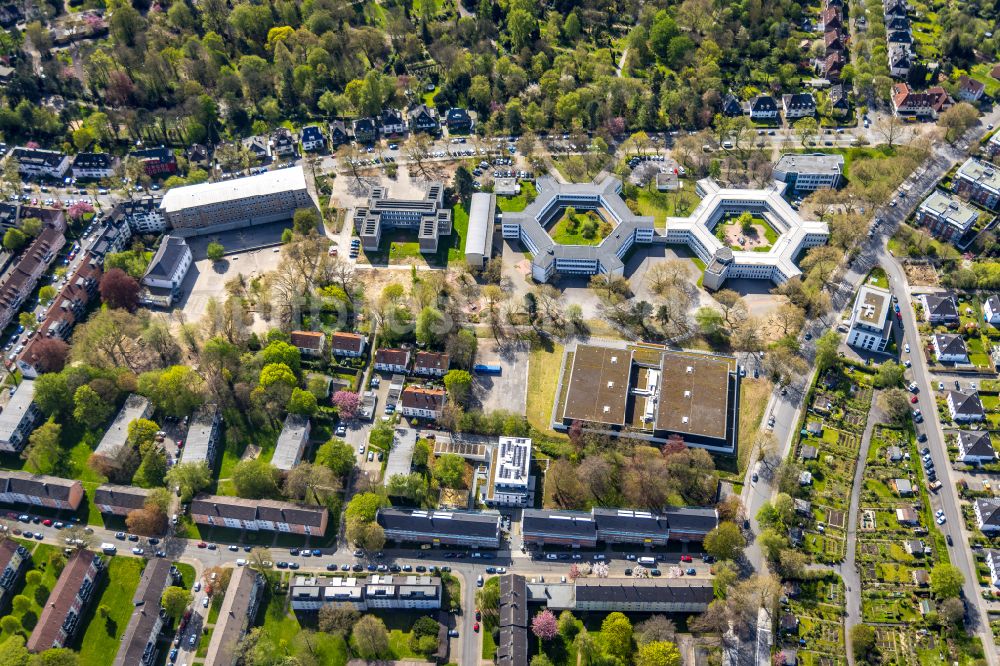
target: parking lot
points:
(207, 279)
(508, 390)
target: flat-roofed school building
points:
(651, 393)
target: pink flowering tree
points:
(544, 625)
(574, 572)
(601, 570)
(79, 209)
(347, 403)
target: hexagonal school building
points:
(771, 259)
(532, 227)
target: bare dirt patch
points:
(734, 237)
(922, 275)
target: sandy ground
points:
(736, 238)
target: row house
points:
(259, 515)
(69, 307)
(93, 166)
(578, 529)
(409, 592)
(980, 182)
(118, 500)
(441, 528)
(900, 62)
(351, 345)
(38, 163)
(34, 262)
(392, 360)
(899, 38)
(431, 364)
(67, 604)
(834, 41)
(19, 418)
(39, 490)
(139, 644)
(422, 403)
(156, 162)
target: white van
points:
(647, 561)
(109, 548)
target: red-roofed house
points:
(309, 343)
(347, 344)
(969, 89)
(422, 403)
(926, 105)
(431, 364)
(392, 360)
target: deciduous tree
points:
(544, 625)
(370, 638)
(120, 290)
(175, 601)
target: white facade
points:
(871, 320)
(777, 264)
(509, 473)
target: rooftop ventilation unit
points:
(607, 409)
(684, 419)
(611, 385)
(690, 370)
(687, 394)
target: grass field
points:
(521, 201)
(38, 594)
(401, 247)
(580, 168)
(661, 205)
(981, 73)
(544, 366)
(103, 635)
(562, 232)
(754, 395)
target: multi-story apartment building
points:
(157, 162)
(236, 616)
(946, 216)
(292, 442)
(408, 592)
(68, 308)
(949, 348)
(272, 196)
(542, 527)
(509, 473)
(63, 613)
(116, 436)
(19, 418)
(139, 645)
(119, 500)
(259, 515)
(143, 215)
(93, 166)
(871, 319)
(422, 403)
(203, 435)
(22, 280)
(455, 528)
(310, 593)
(166, 272)
(39, 490)
(14, 561)
(975, 447)
(965, 407)
(807, 173)
(979, 181)
(35, 162)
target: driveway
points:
(402, 451)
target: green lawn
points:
(981, 73)
(187, 574)
(400, 246)
(489, 646)
(103, 636)
(661, 205)
(38, 594)
(521, 201)
(580, 229)
(282, 627)
(544, 366)
(580, 168)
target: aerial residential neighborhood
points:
(501, 333)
